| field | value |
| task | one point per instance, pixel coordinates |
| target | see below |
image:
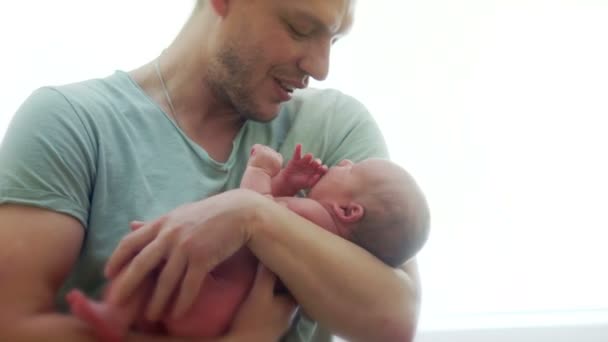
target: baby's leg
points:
(107, 325)
(110, 323)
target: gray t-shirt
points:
(103, 152)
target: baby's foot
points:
(107, 326)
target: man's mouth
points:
(286, 86)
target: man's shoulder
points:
(94, 90)
(313, 93)
(326, 98)
(100, 102)
(317, 106)
(330, 124)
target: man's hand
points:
(264, 315)
(188, 242)
(301, 172)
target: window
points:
(497, 107)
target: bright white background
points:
(497, 107)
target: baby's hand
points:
(302, 172)
(265, 158)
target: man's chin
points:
(262, 119)
(267, 114)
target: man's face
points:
(267, 48)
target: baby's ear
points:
(349, 213)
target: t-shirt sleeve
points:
(47, 157)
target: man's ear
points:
(349, 213)
(220, 7)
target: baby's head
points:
(377, 205)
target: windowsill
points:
(580, 326)
(514, 320)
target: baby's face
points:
(335, 182)
(345, 179)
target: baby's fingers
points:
(306, 159)
(297, 152)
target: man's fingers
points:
(191, 286)
(288, 305)
(264, 281)
(134, 273)
(128, 247)
(264, 284)
(166, 284)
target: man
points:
(81, 161)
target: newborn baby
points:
(374, 203)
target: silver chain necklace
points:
(166, 91)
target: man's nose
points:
(315, 61)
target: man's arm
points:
(38, 248)
(338, 284)
(410, 267)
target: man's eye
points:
(296, 33)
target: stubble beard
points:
(229, 79)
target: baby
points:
(374, 203)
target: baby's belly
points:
(222, 293)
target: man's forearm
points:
(340, 285)
(55, 327)
(51, 327)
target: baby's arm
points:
(301, 172)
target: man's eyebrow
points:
(318, 23)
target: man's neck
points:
(203, 118)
